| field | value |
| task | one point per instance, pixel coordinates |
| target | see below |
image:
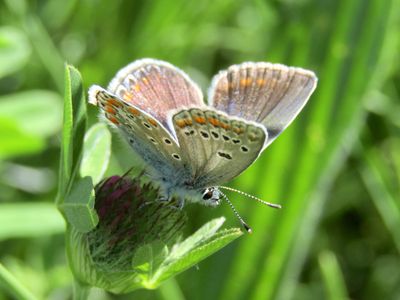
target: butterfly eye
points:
(207, 194)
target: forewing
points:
(155, 87)
(216, 147)
(270, 94)
(148, 137)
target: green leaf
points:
(202, 234)
(386, 201)
(29, 220)
(96, 152)
(196, 254)
(26, 119)
(13, 286)
(15, 141)
(204, 242)
(36, 113)
(14, 50)
(332, 275)
(74, 126)
(152, 263)
(147, 259)
(40, 39)
(79, 206)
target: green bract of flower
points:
(136, 242)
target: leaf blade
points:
(96, 152)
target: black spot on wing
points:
(225, 155)
(204, 134)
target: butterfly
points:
(191, 148)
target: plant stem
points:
(13, 286)
(80, 291)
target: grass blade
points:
(13, 286)
(332, 275)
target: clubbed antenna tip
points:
(247, 228)
(273, 205)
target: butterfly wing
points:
(270, 94)
(147, 136)
(155, 87)
(216, 146)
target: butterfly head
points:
(211, 196)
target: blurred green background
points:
(336, 170)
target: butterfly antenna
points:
(246, 227)
(251, 196)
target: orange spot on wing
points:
(261, 82)
(180, 123)
(134, 111)
(113, 120)
(214, 122)
(110, 109)
(200, 120)
(225, 126)
(114, 102)
(152, 122)
(145, 80)
(136, 87)
(245, 82)
(188, 122)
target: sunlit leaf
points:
(207, 247)
(96, 152)
(37, 112)
(74, 126)
(332, 275)
(15, 141)
(19, 220)
(14, 50)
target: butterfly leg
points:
(177, 203)
(164, 194)
(164, 198)
(181, 203)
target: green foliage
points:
(335, 170)
(78, 205)
(13, 286)
(51, 221)
(333, 277)
(74, 126)
(25, 119)
(96, 152)
(14, 50)
(152, 263)
(204, 242)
